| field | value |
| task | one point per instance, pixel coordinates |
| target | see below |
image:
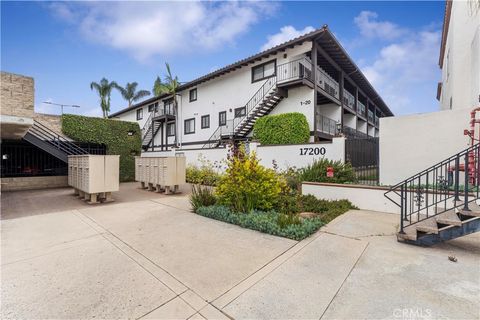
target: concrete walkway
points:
(153, 259)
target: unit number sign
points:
(312, 151)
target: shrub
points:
(247, 185)
(201, 197)
(267, 222)
(317, 172)
(327, 209)
(113, 133)
(202, 175)
(286, 128)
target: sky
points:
(65, 46)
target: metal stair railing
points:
(147, 126)
(231, 126)
(449, 184)
(54, 139)
(255, 100)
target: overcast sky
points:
(66, 45)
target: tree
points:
(130, 93)
(157, 87)
(104, 89)
(170, 87)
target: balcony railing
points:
(294, 70)
(361, 108)
(349, 99)
(353, 133)
(327, 83)
(377, 121)
(165, 111)
(370, 117)
(326, 125)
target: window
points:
(189, 126)
(205, 121)
(263, 71)
(140, 114)
(222, 118)
(153, 106)
(193, 95)
(240, 112)
(170, 129)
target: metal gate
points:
(362, 154)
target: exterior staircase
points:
(442, 202)
(260, 104)
(149, 130)
(49, 141)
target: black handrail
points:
(231, 126)
(438, 188)
(60, 142)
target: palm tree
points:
(157, 87)
(170, 87)
(104, 89)
(130, 93)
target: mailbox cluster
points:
(162, 174)
(94, 177)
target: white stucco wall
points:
(409, 144)
(363, 197)
(300, 155)
(461, 66)
(230, 91)
(297, 101)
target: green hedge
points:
(112, 133)
(286, 128)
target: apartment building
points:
(311, 74)
(460, 56)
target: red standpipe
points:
(472, 168)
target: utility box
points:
(94, 176)
(160, 173)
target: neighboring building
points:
(34, 153)
(460, 56)
(418, 141)
(311, 74)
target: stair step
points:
(473, 212)
(428, 226)
(449, 217)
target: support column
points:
(340, 85)
(315, 98)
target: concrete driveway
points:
(153, 259)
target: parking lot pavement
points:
(152, 258)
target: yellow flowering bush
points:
(247, 185)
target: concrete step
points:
(449, 217)
(473, 212)
(428, 226)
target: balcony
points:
(353, 133)
(370, 117)
(326, 125)
(348, 99)
(377, 121)
(167, 111)
(294, 70)
(361, 108)
(327, 83)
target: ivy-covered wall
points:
(285, 128)
(113, 133)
